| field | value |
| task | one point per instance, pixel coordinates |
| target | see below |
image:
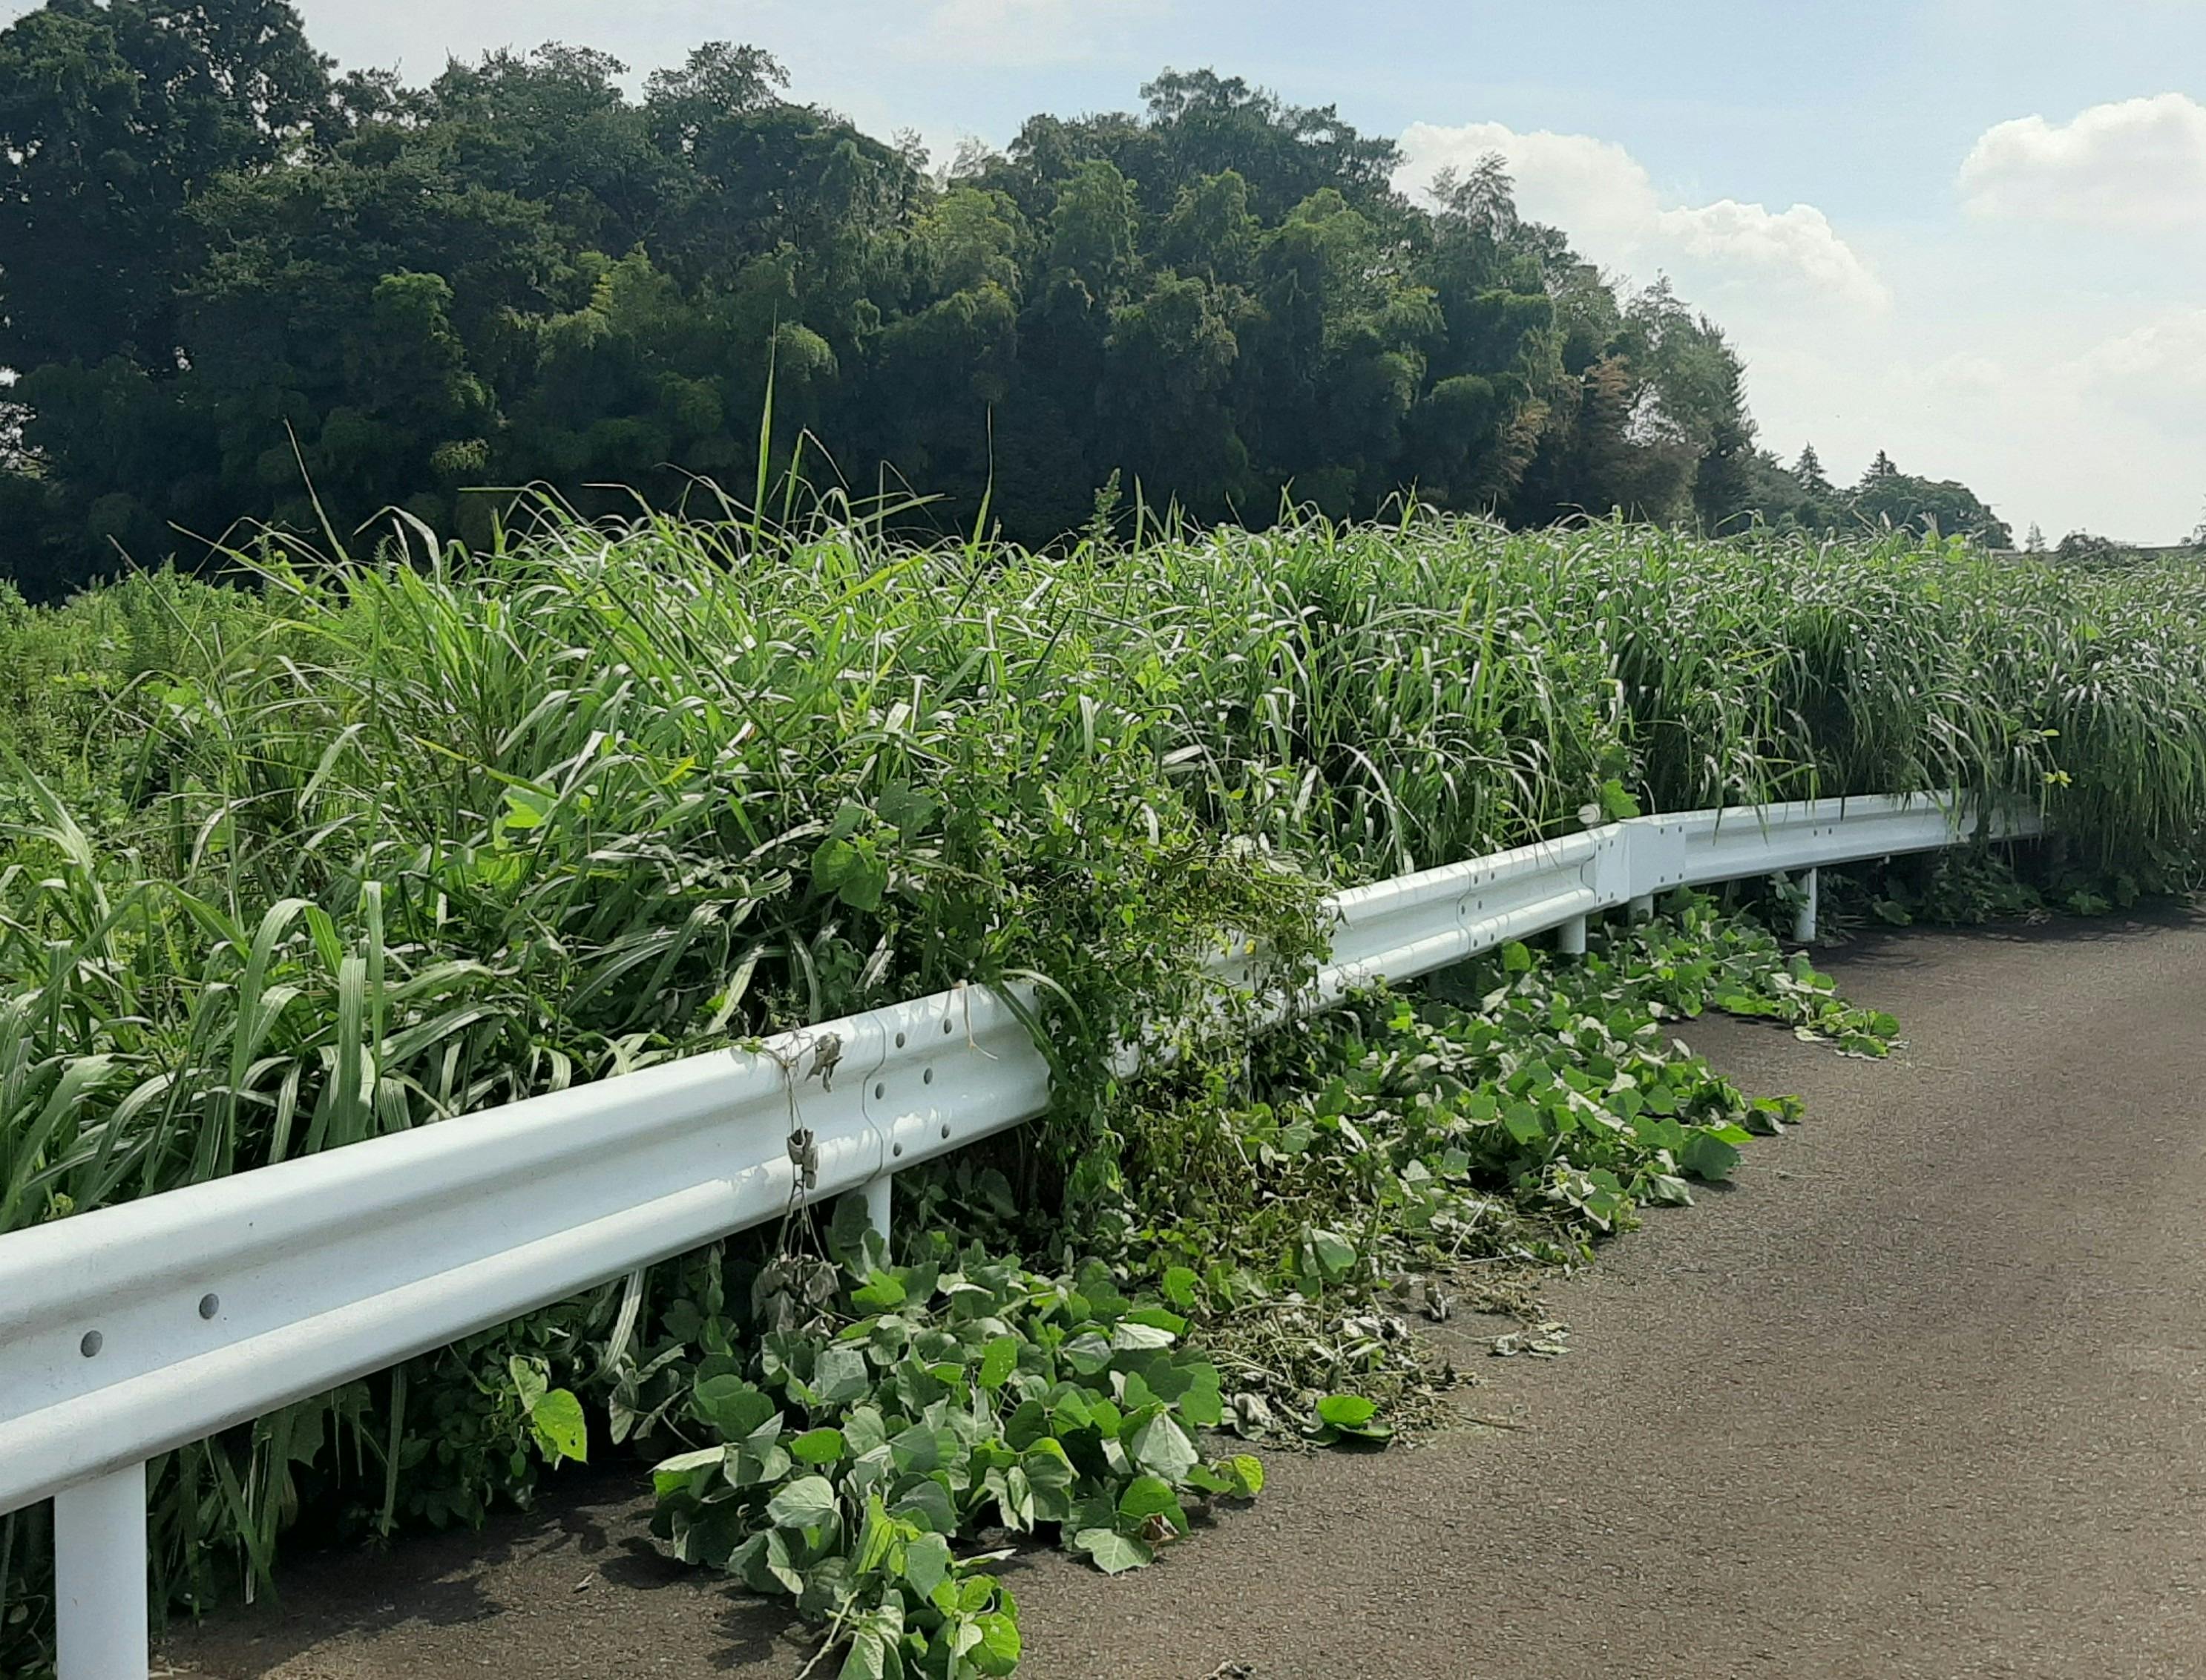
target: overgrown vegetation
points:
(858, 1417)
(384, 843)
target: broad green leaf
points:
(1151, 1495)
(917, 1448)
(834, 863)
(998, 1653)
(999, 1360)
(780, 1565)
(1129, 1336)
(1523, 1122)
(840, 1375)
(1113, 1552)
(926, 1502)
(1158, 1319)
(1346, 1411)
(1046, 1466)
(805, 1503)
(869, 1657)
(926, 1564)
(731, 1405)
(529, 1379)
(906, 809)
(1706, 1156)
(560, 1428)
(673, 1475)
(1162, 1447)
(1089, 1353)
(852, 870)
(1246, 1471)
(864, 1430)
(526, 807)
(1335, 1254)
(818, 1446)
(879, 1294)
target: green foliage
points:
(379, 842)
(110, 118)
(1510, 1111)
(844, 1456)
(555, 1417)
(1966, 887)
(1348, 1418)
(1696, 958)
(864, 1417)
(1886, 496)
(255, 291)
(1757, 489)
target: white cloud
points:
(1798, 243)
(2158, 370)
(2138, 164)
(2110, 437)
(2059, 395)
(1594, 187)
(1603, 197)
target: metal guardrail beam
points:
(129, 1330)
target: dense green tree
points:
(1886, 496)
(240, 290)
(112, 116)
(1808, 470)
(1204, 124)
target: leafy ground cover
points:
(867, 1430)
(378, 843)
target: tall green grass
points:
(376, 844)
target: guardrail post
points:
(1803, 919)
(879, 1192)
(1570, 936)
(1641, 908)
(99, 1578)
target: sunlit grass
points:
(404, 840)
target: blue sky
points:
(1969, 232)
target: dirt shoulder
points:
(1924, 1397)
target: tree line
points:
(239, 286)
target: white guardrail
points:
(130, 1330)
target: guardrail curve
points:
(129, 1330)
